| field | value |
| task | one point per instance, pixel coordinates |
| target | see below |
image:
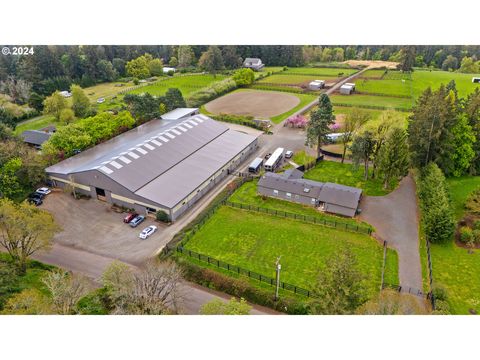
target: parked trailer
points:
(255, 165)
(273, 161)
(476, 80)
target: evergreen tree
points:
(362, 150)
(173, 99)
(394, 157)
(318, 126)
(463, 143)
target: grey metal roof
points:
(342, 195)
(341, 210)
(161, 160)
(181, 180)
(179, 113)
(295, 186)
(35, 137)
(252, 61)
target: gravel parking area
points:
(93, 226)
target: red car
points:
(129, 217)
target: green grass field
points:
(454, 268)
(374, 114)
(333, 72)
(254, 242)
(247, 194)
(304, 100)
(377, 74)
(345, 174)
(302, 158)
(372, 101)
(424, 78)
(387, 87)
(293, 79)
(36, 123)
(186, 84)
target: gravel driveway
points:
(395, 217)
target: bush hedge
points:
(216, 89)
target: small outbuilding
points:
(476, 80)
(167, 69)
(253, 63)
(316, 84)
(180, 113)
(66, 94)
(347, 89)
(35, 138)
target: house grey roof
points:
(161, 160)
(252, 61)
(179, 113)
(342, 195)
(35, 137)
(293, 174)
(295, 186)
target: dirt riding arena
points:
(263, 104)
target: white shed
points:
(347, 89)
(476, 80)
(316, 85)
(167, 69)
(66, 94)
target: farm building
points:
(347, 88)
(316, 85)
(66, 94)
(180, 113)
(476, 80)
(36, 137)
(160, 165)
(328, 197)
(167, 69)
(253, 63)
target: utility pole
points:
(278, 267)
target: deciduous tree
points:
(80, 102)
(232, 307)
(353, 122)
(54, 104)
(243, 77)
(24, 230)
(391, 302)
(211, 60)
(362, 150)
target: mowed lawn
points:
(247, 194)
(36, 123)
(372, 101)
(333, 72)
(387, 87)
(304, 100)
(375, 115)
(424, 78)
(254, 242)
(346, 174)
(453, 267)
(285, 78)
(187, 84)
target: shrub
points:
(476, 224)
(162, 216)
(239, 288)
(466, 235)
(136, 81)
(473, 202)
(476, 236)
(170, 72)
(440, 293)
(211, 92)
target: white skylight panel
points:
(181, 128)
(176, 132)
(148, 146)
(106, 170)
(142, 151)
(125, 160)
(170, 135)
(116, 165)
(133, 155)
(158, 143)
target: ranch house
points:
(253, 63)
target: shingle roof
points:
(35, 137)
(293, 174)
(295, 186)
(252, 61)
(342, 195)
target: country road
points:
(93, 266)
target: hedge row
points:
(374, 107)
(211, 92)
(240, 287)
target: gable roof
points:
(252, 61)
(35, 137)
(293, 174)
(179, 113)
(342, 195)
(295, 186)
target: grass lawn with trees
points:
(36, 123)
(254, 242)
(425, 78)
(374, 114)
(346, 174)
(454, 268)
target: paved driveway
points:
(395, 217)
(92, 226)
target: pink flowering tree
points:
(297, 121)
(334, 127)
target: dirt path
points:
(395, 217)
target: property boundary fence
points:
(430, 273)
(311, 219)
(369, 106)
(241, 271)
(384, 263)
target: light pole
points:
(278, 267)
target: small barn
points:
(66, 94)
(253, 63)
(35, 138)
(347, 89)
(316, 85)
(167, 69)
(476, 80)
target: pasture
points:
(254, 242)
(318, 71)
(372, 101)
(294, 79)
(387, 87)
(424, 78)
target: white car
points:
(147, 231)
(43, 191)
(100, 100)
(288, 154)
